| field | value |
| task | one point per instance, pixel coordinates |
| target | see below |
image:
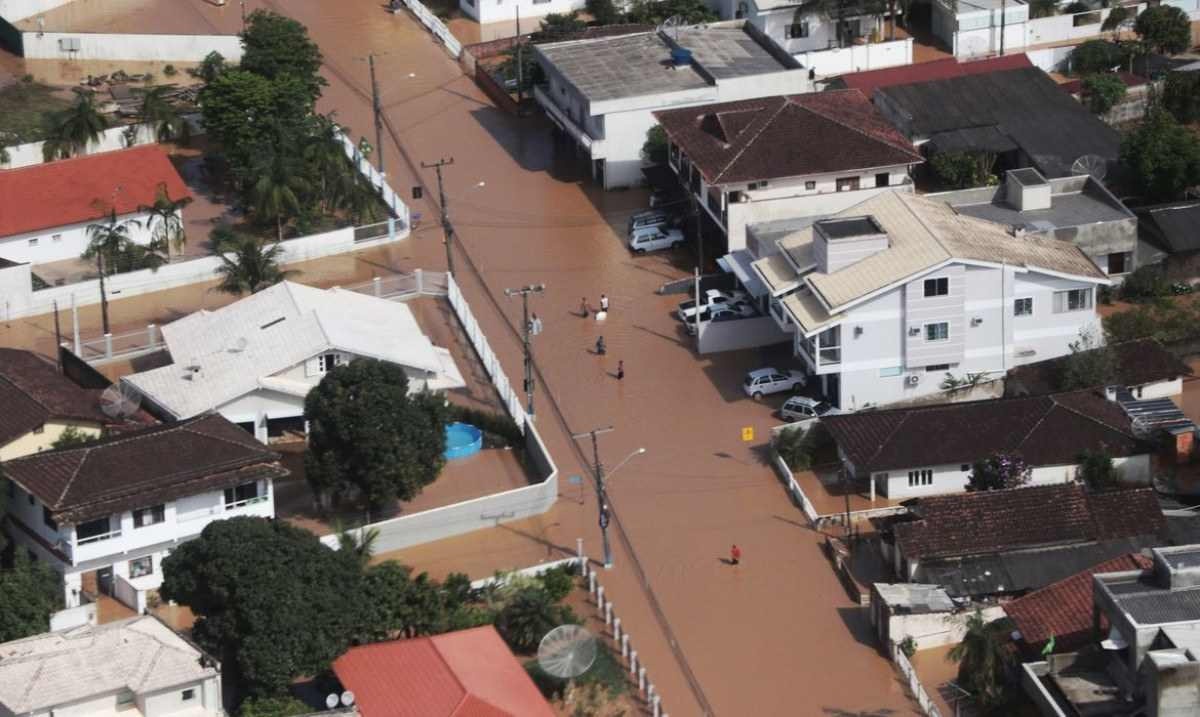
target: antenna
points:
(120, 401)
(672, 23)
(567, 651)
(1091, 164)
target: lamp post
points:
(528, 328)
(601, 489)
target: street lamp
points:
(528, 328)
(601, 490)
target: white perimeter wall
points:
(131, 48)
(13, 10)
(66, 242)
(857, 58)
(111, 139)
(485, 11)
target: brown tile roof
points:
(32, 391)
(1063, 610)
(869, 81)
(1044, 430)
(1138, 362)
(142, 468)
(786, 136)
(1004, 520)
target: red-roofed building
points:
(468, 673)
(45, 209)
(868, 82)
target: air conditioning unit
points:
(912, 379)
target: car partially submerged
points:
(763, 381)
(801, 408)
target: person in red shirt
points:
(735, 555)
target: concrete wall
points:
(169, 701)
(858, 58)
(435, 26)
(485, 11)
(113, 138)
(73, 617)
(35, 442)
(13, 10)
(741, 334)
(921, 311)
(130, 47)
(934, 629)
(68, 241)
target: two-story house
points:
(801, 26)
(784, 157)
(107, 513)
(887, 297)
(137, 667)
(602, 92)
(40, 404)
(255, 360)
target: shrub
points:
(798, 447)
(273, 707)
(960, 170)
(496, 425)
(1181, 96)
(1096, 470)
(908, 646)
(999, 471)
(1145, 283)
(1094, 56)
(551, 687)
(558, 582)
(170, 71)
(526, 619)
(1103, 91)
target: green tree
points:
(1164, 29)
(1116, 16)
(273, 707)
(1181, 96)
(158, 112)
(654, 12)
(1103, 91)
(369, 438)
(1146, 283)
(1096, 470)
(271, 599)
(212, 65)
(165, 223)
(559, 25)
(399, 605)
(277, 47)
(253, 267)
(107, 241)
(527, 617)
(1089, 364)
(984, 662)
(29, 594)
(1043, 8)
(604, 12)
(333, 177)
(279, 183)
(999, 471)
(1094, 56)
(1162, 155)
(359, 542)
(72, 437)
(71, 130)
(654, 150)
(1166, 322)
(558, 582)
(960, 170)
(248, 115)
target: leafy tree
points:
(359, 542)
(1163, 156)
(212, 65)
(29, 594)
(72, 129)
(963, 169)
(1095, 56)
(604, 12)
(558, 582)
(1181, 96)
(1146, 283)
(1166, 321)
(558, 25)
(1103, 91)
(248, 115)
(654, 12)
(72, 437)
(273, 707)
(106, 241)
(279, 182)
(158, 112)
(165, 222)
(654, 150)
(326, 159)
(253, 267)
(277, 47)
(526, 619)
(1116, 16)
(984, 661)
(399, 605)
(999, 471)
(1043, 8)
(1164, 29)
(1096, 470)
(369, 437)
(271, 599)
(1089, 364)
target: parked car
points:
(722, 312)
(799, 408)
(763, 381)
(711, 297)
(654, 238)
(651, 218)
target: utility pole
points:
(1003, 4)
(601, 492)
(528, 328)
(243, 15)
(520, 61)
(378, 114)
(447, 228)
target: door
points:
(104, 580)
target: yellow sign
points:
(748, 434)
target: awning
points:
(738, 263)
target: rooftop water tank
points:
(681, 56)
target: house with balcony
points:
(104, 515)
(40, 404)
(886, 298)
(602, 92)
(784, 157)
(136, 667)
(255, 361)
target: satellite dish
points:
(672, 23)
(1091, 164)
(331, 700)
(567, 651)
(120, 401)
(347, 698)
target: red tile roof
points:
(73, 191)
(871, 80)
(468, 673)
(1063, 610)
(786, 136)
(32, 391)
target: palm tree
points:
(361, 542)
(106, 241)
(526, 619)
(277, 188)
(327, 160)
(361, 202)
(254, 266)
(984, 660)
(72, 129)
(160, 114)
(165, 223)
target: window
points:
(937, 332)
(141, 566)
(935, 367)
(33, 241)
(882, 179)
(937, 287)
(1120, 262)
(48, 519)
(757, 185)
(40, 429)
(93, 530)
(796, 31)
(328, 361)
(149, 516)
(1072, 300)
(847, 184)
(243, 494)
(965, 468)
(890, 371)
(56, 238)
(810, 186)
(1023, 307)
(188, 695)
(919, 478)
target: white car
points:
(654, 238)
(800, 408)
(763, 381)
(722, 312)
(712, 297)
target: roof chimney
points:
(1026, 190)
(843, 241)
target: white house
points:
(45, 209)
(931, 450)
(137, 666)
(603, 92)
(105, 514)
(486, 11)
(255, 360)
(886, 298)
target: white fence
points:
(512, 401)
(436, 26)
(794, 488)
(128, 47)
(113, 138)
(398, 208)
(531, 571)
(914, 682)
(858, 58)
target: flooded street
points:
(774, 636)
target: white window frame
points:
(143, 559)
(1017, 302)
(1062, 300)
(920, 477)
(149, 512)
(890, 371)
(925, 332)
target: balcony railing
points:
(243, 503)
(97, 538)
(830, 356)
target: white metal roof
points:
(237, 349)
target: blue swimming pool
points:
(462, 440)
